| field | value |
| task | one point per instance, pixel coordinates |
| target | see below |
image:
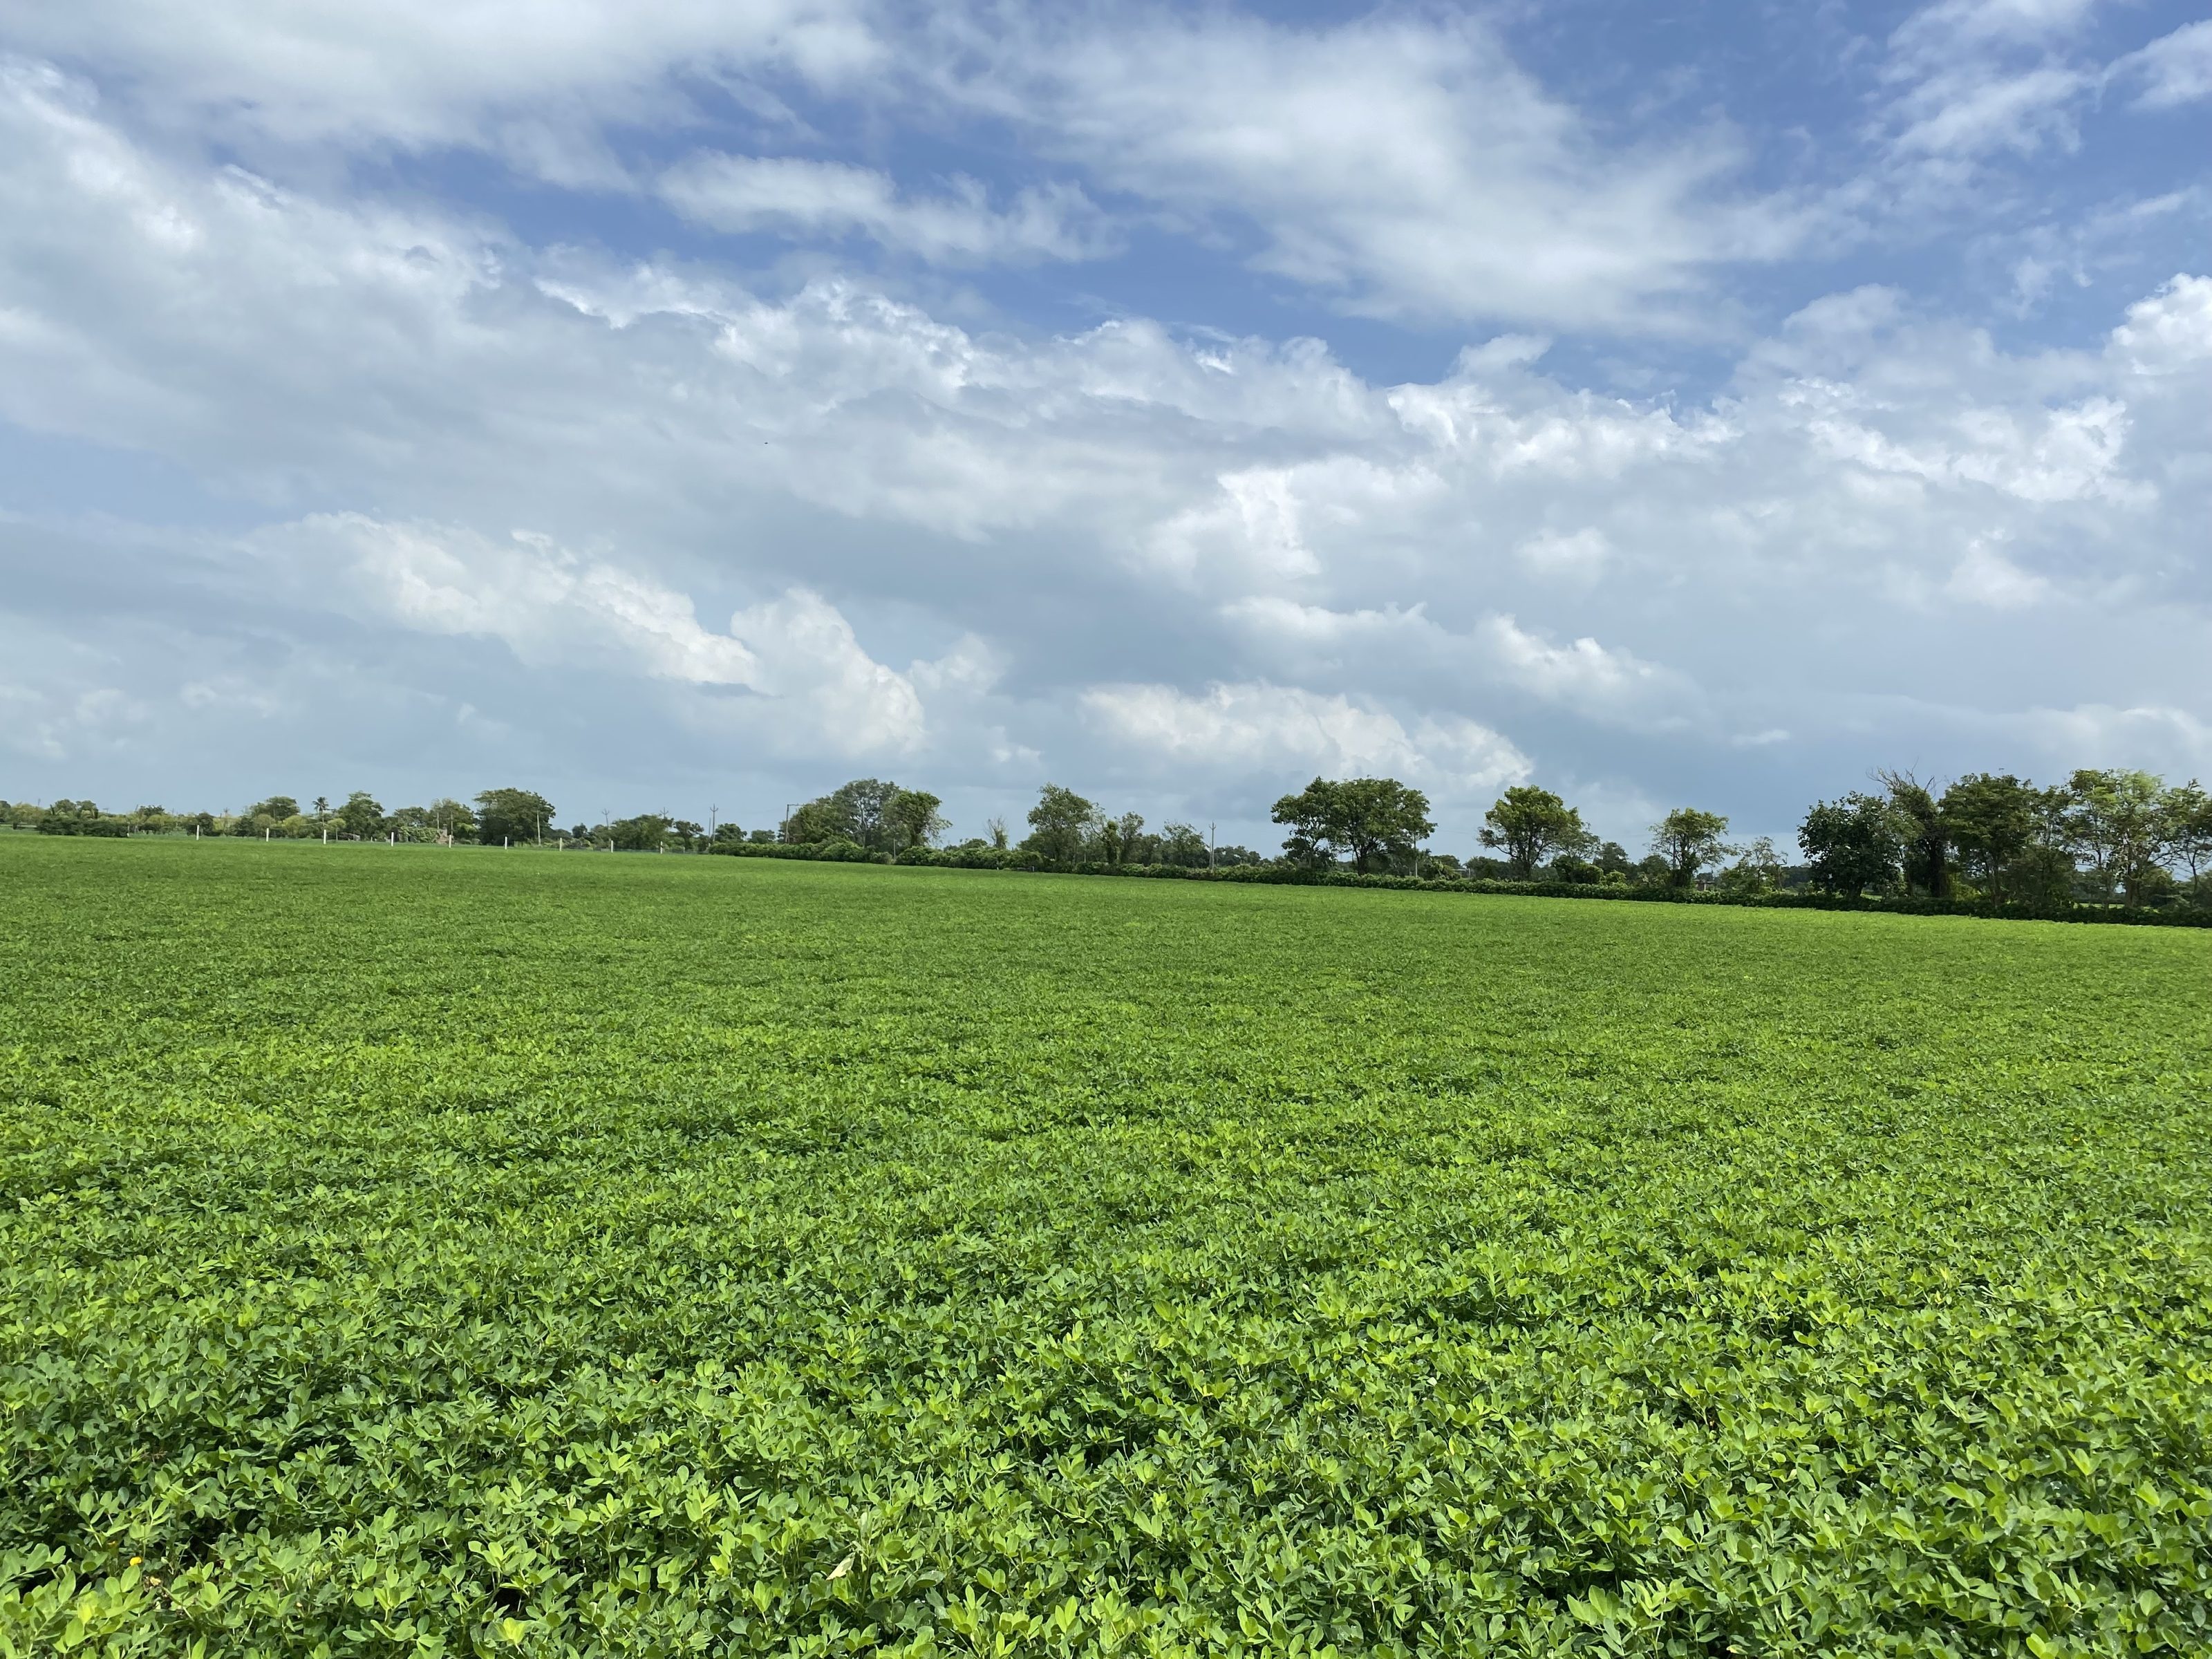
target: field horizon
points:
(427, 1250)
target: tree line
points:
(2101, 836)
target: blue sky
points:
(691, 404)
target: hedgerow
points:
(1015, 858)
(485, 1254)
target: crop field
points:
(422, 1251)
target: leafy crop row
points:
(487, 1255)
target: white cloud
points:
(2171, 331)
(1263, 728)
(555, 608)
(1404, 164)
(1971, 112)
(535, 82)
(1971, 80)
(2173, 69)
(796, 197)
(1610, 685)
(1582, 674)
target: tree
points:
(1533, 825)
(1758, 869)
(277, 808)
(815, 822)
(1928, 842)
(1060, 824)
(1991, 818)
(911, 819)
(1180, 843)
(360, 814)
(645, 833)
(2188, 811)
(1121, 838)
(862, 808)
(1368, 819)
(505, 815)
(1853, 844)
(451, 819)
(997, 828)
(1689, 840)
(2114, 821)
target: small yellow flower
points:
(136, 1559)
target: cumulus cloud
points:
(789, 194)
(2171, 331)
(1262, 728)
(815, 684)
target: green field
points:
(418, 1251)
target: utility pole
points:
(1209, 849)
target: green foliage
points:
(872, 813)
(911, 818)
(460, 1254)
(2188, 829)
(2114, 823)
(1530, 825)
(80, 818)
(1690, 841)
(648, 832)
(1929, 835)
(1062, 824)
(1368, 820)
(1992, 820)
(362, 815)
(512, 815)
(1758, 869)
(1855, 843)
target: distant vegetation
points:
(2101, 837)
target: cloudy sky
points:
(692, 403)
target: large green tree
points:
(648, 832)
(912, 818)
(2189, 833)
(1991, 818)
(362, 815)
(1689, 840)
(1368, 820)
(1062, 824)
(1928, 836)
(1532, 826)
(505, 815)
(2116, 823)
(815, 822)
(1854, 843)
